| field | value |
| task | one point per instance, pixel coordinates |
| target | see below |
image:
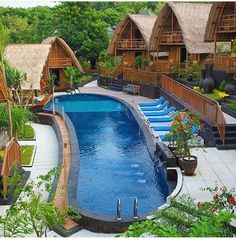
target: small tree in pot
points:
(184, 128)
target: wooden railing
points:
(171, 37)
(227, 23)
(141, 76)
(221, 61)
(210, 109)
(131, 44)
(225, 62)
(59, 62)
(12, 156)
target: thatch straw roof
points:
(4, 92)
(52, 40)
(192, 19)
(213, 20)
(30, 59)
(144, 23)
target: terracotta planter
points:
(189, 164)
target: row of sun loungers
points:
(159, 116)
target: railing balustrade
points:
(227, 23)
(131, 44)
(210, 109)
(171, 37)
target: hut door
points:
(56, 73)
(183, 55)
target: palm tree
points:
(4, 40)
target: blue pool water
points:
(114, 158)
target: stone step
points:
(226, 146)
(231, 134)
(228, 141)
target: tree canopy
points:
(83, 25)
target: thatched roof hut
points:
(144, 24)
(221, 24)
(192, 20)
(30, 59)
(38, 60)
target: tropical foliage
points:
(184, 127)
(184, 218)
(20, 116)
(31, 213)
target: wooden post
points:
(214, 56)
(9, 119)
(53, 102)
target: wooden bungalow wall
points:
(58, 59)
(129, 46)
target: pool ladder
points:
(118, 209)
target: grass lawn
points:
(26, 133)
(26, 154)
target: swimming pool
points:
(114, 159)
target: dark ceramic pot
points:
(189, 164)
(230, 86)
(203, 76)
(208, 83)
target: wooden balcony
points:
(59, 62)
(132, 44)
(227, 23)
(171, 38)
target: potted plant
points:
(184, 128)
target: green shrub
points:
(222, 85)
(146, 62)
(232, 106)
(138, 61)
(20, 116)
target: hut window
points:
(124, 36)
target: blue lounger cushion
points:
(159, 113)
(163, 138)
(161, 119)
(156, 103)
(127, 89)
(156, 108)
(161, 128)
